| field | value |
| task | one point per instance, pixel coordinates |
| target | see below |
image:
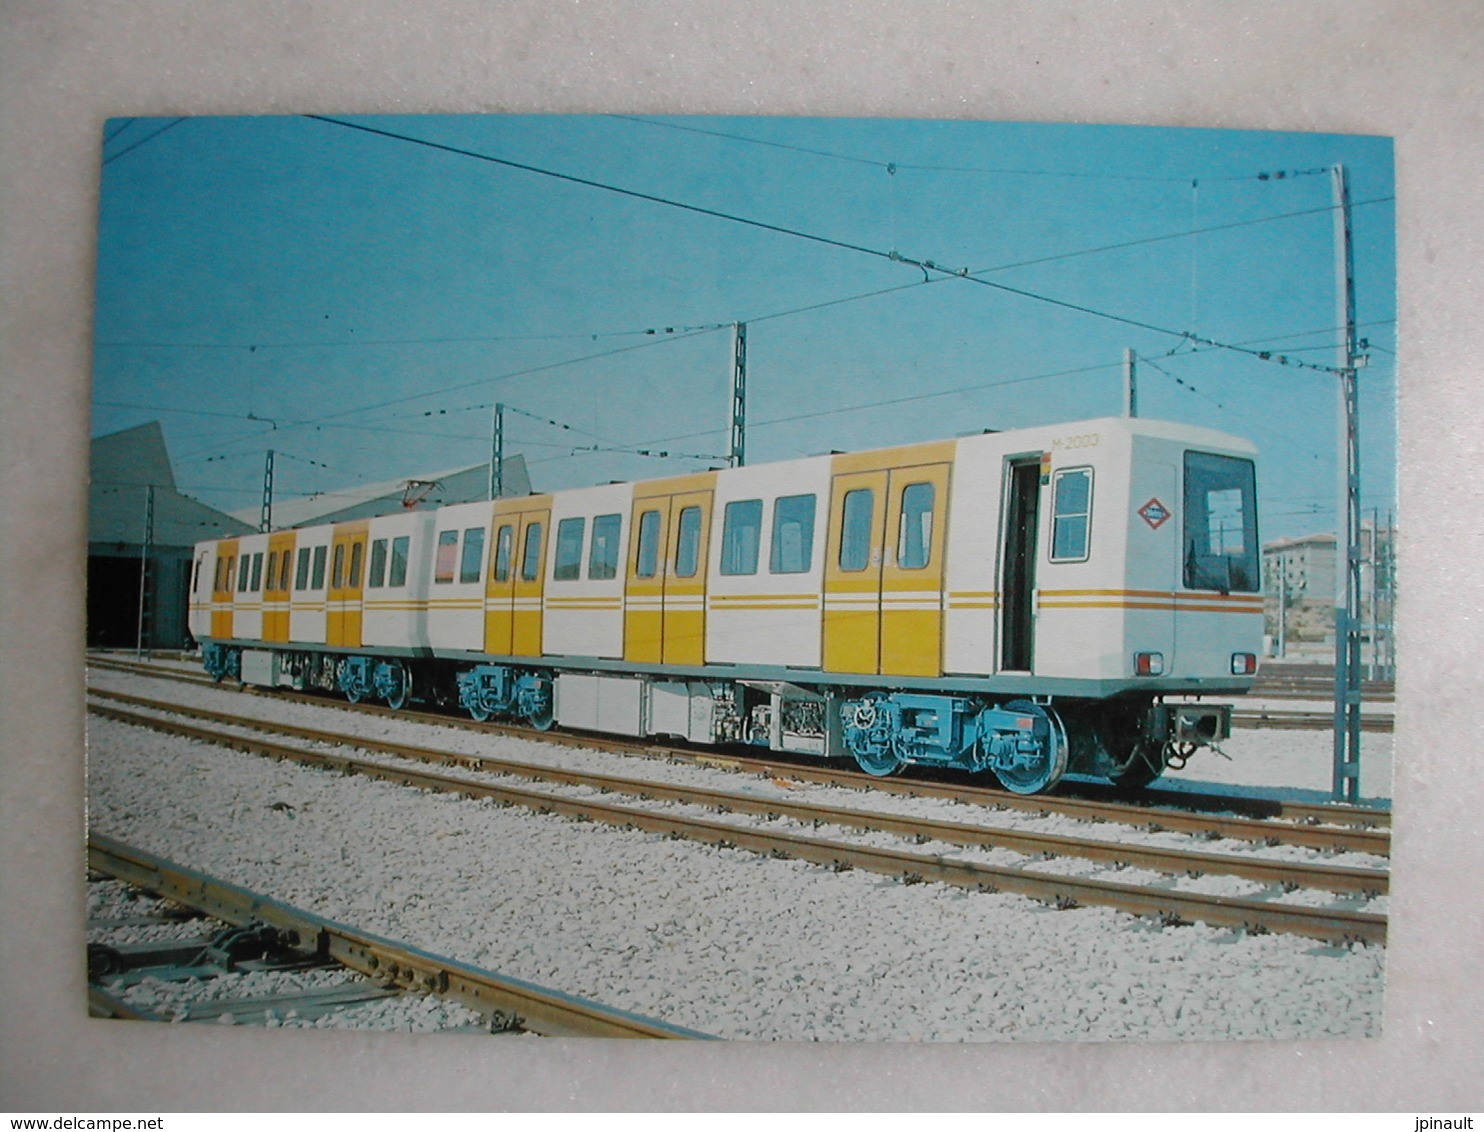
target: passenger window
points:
(448, 556)
(1071, 521)
(319, 569)
(357, 551)
(688, 543)
(793, 535)
(855, 533)
(257, 572)
(504, 543)
(602, 560)
(648, 557)
(216, 581)
(741, 534)
(472, 563)
(301, 575)
(399, 562)
(569, 549)
(244, 567)
(1221, 548)
(377, 574)
(530, 562)
(272, 571)
(915, 537)
(337, 572)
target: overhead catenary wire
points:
(893, 165)
(927, 266)
(147, 138)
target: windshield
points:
(1221, 551)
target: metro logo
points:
(1154, 513)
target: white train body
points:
(1017, 602)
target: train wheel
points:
(479, 714)
(1145, 763)
(543, 719)
(883, 762)
(1043, 770)
(400, 690)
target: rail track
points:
(570, 792)
(1092, 801)
(298, 939)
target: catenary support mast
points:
(737, 453)
(1348, 552)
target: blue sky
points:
(356, 302)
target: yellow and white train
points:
(1019, 602)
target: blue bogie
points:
(496, 689)
(221, 661)
(1022, 743)
(354, 674)
(392, 682)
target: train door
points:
(222, 585)
(883, 591)
(276, 587)
(665, 593)
(347, 585)
(1155, 559)
(515, 582)
(1018, 565)
(529, 583)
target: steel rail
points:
(1255, 718)
(1370, 882)
(1260, 719)
(540, 1009)
(1324, 826)
(1329, 924)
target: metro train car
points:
(1028, 603)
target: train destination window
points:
(688, 543)
(741, 535)
(855, 532)
(647, 555)
(357, 549)
(1221, 551)
(1071, 518)
(602, 560)
(472, 563)
(448, 556)
(793, 535)
(257, 572)
(530, 562)
(318, 582)
(399, 561)
(569, 549)
(377, 574)
(915, 534)
(504, 544)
